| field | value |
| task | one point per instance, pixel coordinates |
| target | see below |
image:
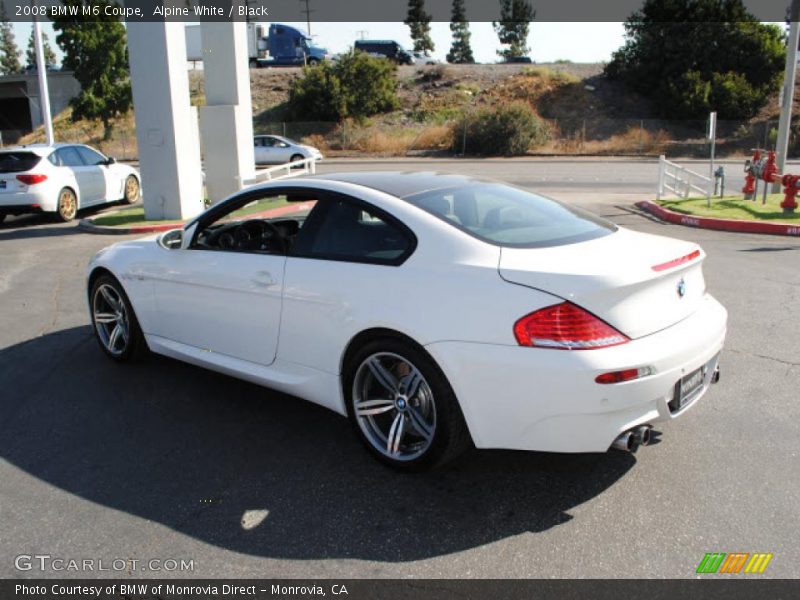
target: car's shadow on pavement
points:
(253, 471)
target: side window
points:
(55, 159)
(69, 157)
(260, 225)
(346, 230)
(90, 157)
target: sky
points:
(578, 42)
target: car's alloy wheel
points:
(67, 205)
(402, 406)
(115, 325)
(394, 406)
(131, 189)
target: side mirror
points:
(172, 239)
(111, 160)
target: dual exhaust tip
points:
(630, 440)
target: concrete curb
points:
(718, 224)
(88, 226)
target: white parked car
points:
(433, 310)
(62, 179)
(278, 150)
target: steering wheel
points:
(256, 234)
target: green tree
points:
(513, 26)
(460, 50)
(419, 22)
(30, 54)
(96, 52)
(9, 52)
(357, 85)
(695, 56)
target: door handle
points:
(263, 279)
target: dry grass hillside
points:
(585, 114)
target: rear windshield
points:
(507, 216)
(16, 162)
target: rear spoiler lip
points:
(676, 262)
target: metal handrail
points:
(305, 166)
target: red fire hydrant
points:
(770, 169)
(790, 189)
(750, 179)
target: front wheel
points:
(296, 157)
(67, 206)
(115, 325)
(402, 406)
(132, 190)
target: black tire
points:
(135, 345)
(132, 190)
(296, 157)
(67, 205)
(2, 217)
(450, 435)
(312, 62)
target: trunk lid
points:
(636, 282)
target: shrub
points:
(357, 86)
(508, 130)
(316, 96)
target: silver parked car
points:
(278, 150)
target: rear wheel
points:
(132, 190)
(67, 205)
(402, 406)
(115, 325)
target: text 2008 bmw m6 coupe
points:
(433, 310)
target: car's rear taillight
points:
(32, 179)
(566, 326)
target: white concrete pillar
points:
(226, 122)
(166, 132)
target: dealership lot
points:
(161, 460)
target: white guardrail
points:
(305, 166)
(681, 181)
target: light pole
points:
(787, 94)
(41, 68)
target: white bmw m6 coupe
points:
(435, 311)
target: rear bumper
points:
(23, 202)
(539, 399)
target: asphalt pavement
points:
(161, 460)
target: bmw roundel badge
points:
(681, 288)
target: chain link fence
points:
(407, 137)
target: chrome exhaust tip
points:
(625, 442)
(641, 435)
